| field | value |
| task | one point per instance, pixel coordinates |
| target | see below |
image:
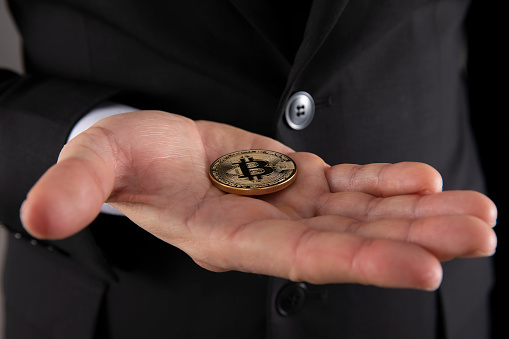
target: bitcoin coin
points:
(253, 172)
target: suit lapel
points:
(260, 16)
(322, 19)
(323, 16)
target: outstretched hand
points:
(383, 224)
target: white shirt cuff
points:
(100, 112)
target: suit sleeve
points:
(36, 117)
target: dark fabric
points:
(389, 82)
(485, 64)
(353, 311)
(43, 288)
(292, 17)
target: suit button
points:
(299, 110)
(291, 299)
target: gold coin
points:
(253, 172)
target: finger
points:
(365, 207)
(384, 179)
(292, 250)
(70, 194)
(446, 237)
(379, 262)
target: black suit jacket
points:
(389, 85)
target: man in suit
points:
(375, 81)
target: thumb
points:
(69, 196)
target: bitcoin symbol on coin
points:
(253, 172)
(253, 169)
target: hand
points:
(381, 224)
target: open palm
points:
(381, 224)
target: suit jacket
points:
(389, 85)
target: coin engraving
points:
(253, 172)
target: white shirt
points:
(100, 112)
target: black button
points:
(291, 299)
